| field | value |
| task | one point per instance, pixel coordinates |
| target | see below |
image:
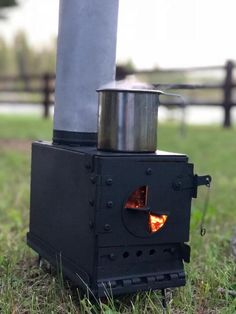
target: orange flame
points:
(156, 222)
(138, 199)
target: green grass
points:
(25, 127)
(24, 288)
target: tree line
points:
(7, 3)
(21, 58)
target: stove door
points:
(146, 206)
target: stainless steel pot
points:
(128, 119)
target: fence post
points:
(46, 92)
(227, 104)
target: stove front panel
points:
(117, 225)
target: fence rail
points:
(39, 86)
(226, 87)
(42, 87)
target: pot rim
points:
(130, 90)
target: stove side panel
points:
(60, 215)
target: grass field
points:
(24, 288)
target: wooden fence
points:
(40, 88)
(226, 87)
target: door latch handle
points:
(191, 183)
(199, 181)
(202, 180)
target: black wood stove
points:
(113, 221)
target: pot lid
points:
(124, 87)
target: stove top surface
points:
(92, 150)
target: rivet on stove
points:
(91, 202)
(112, 256)
(149, 171)
(109, 181)
(93, 179)
(91, 224)
(177, 185)
(88, 166)
(109, 204)
(107, 227)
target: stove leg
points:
(164, 302)
(40, 261)
(43, 264)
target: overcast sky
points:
(168, 33)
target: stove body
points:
(79, 219)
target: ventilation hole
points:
(139, 253)
(126, 254)
(152, 252)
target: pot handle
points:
(182, 105)
(183, 100)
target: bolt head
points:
(88, 166)
(91, 202)
(91, 224)
(149, 171)
(107, 227)
(109, 181)
(112, 256)
(109, 204)
(93, 179)
(177, 185)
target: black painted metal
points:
(74, 138)
(78, 219)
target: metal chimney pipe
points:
(86, 56)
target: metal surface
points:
(85, 60)
(101, 245)
(128, 120)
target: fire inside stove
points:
(138, 201)
(156, 222)
(138, 198)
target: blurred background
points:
(165, 41)
(188, 44)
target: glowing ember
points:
(156, 222)
(138, 198)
